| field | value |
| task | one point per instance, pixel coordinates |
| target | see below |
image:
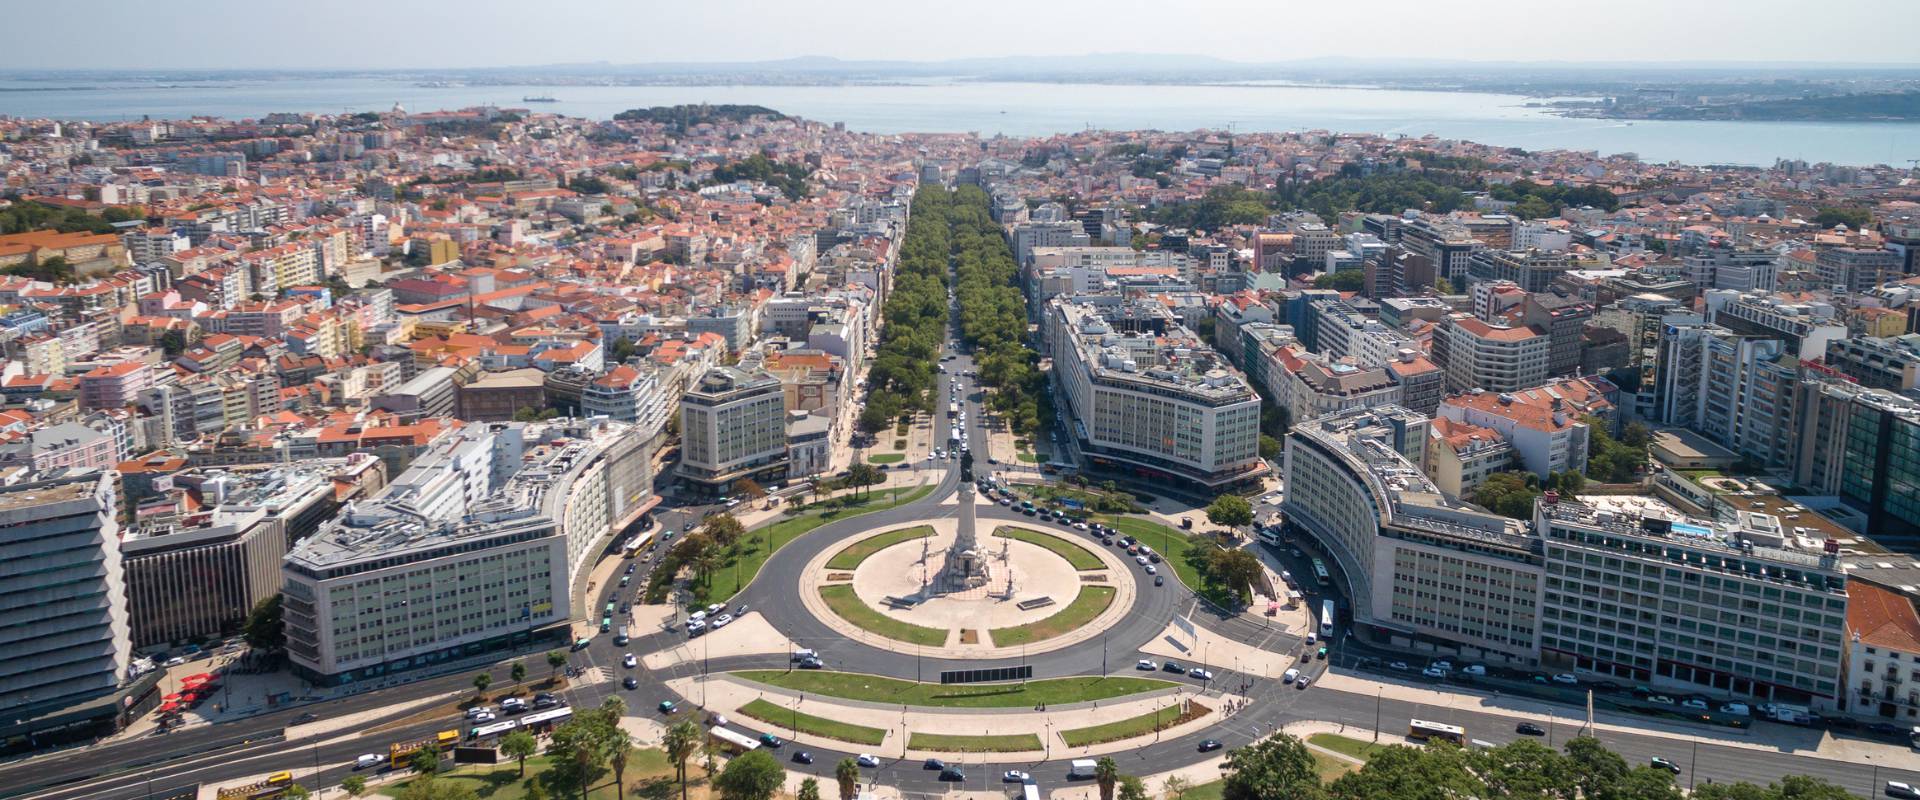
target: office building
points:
(1422, 570)
(1531, 270)
(429, 395)
(1875, 362)
(1737, 608)
(1497, 358)
(732, 428)
(1864, 446)
(1146, 399)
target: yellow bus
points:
(1421, 730)
(271, 786)
(400, 753)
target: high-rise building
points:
(64, 636)
(732, 428)
(1532, 270)
(1149, 400)
(1497, 358)
(1736, 390)
(1863, 445)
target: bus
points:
(732, 742)
(1320, 571)
(636, 544)
(494, 729)
(1326, 619)
(1421, 730)
(271, 786)
(399, 753)
(1270, 536)
(543, 721)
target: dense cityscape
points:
(489, 452)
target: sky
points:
(412, 34)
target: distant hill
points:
(1863, 107)
(689, 115)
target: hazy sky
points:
(134, 34)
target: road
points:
(229, 752)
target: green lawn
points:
(502, 781)
(852, 609)
(1330, 768)
(851, 556)
(1027, 456)
(1091, 601)
(1205, 791)
(953, 743)
(783, 717)
(887, 458)
(737, 569)
(893, 691)
(1173, 545)
(1121, 729)
(1346, 745)
(1080, 557)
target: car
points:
(626, 607)
(1478, 670)
(629, 661)
(307, 717)
(771, 741)
(722, 620)
(1209, 745)
(716, 608)
(629, 569)
(631, 682)
(1150, 569)
(1202, 674)
(1153, 557)
(485, 716)
(668, 707)
(1567, 679)
(1662, 763)
(1141, 560)
(1079, 526)
(476, 711)
(1901, 789)
(1660, 698)
(1442, 664)
(1015, 776)
(1694, 703)
(513, 705)
(697, 616)
(1313, 639)
(1173, 666)
(1398, 666)
(992, 460)
(688, 526)
(545, 700)
(1159, 580)
(1145, 665)
(933, 763)
(1304, 681)
(1321, 653)
(717, 719)
(802, 757)
(1434, 672)
(868, 760)
(1295, 552)
(1529, 729)
(953, 774)
(695, 627)
(802, 654)
(1290, 676)
(812, 663)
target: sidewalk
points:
(727, 694)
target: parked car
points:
(1202, 674)
(1145, 665)
(1173, 666)
(1398, 666)
(1434, 672)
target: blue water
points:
(1029, 109)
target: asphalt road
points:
(254, 746)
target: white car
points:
(1145, 665)
(484, 716)
(722, 620)
(1151, 570)
(629, 661)
(1015, 776)
(368, 760)
(1434, 672)
(1141, 559)
(476, 711)
(716, 608)
(868, 760)
(1566, 678)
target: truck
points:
(1082, 768)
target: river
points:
(1023, 109)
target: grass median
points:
(850, 556)
(887, 458)
(1173, 546)
(783, 717)
(893, 691)
(744, 560)
(851, 608)
(1346, 746)
(1155, 720)
(1090, 603)
(989, 743)
(1080, 557)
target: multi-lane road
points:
(229, 752)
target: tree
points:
(809, 790)
(1508, 494)
(681, 739)
(1234, 568)
(1230, 510)
(1442, 286)
(264, 629)
(1175, 786)
(425, 761)
(518, 672)
(518, 745)
(1132, 788)
(556, 659)
(1351, 280)
(753, 776)
(427, 787)
(1532, 208)
(577, 754)
(354, 785)
(847, 774)
(1277, 766)
(751, 488)
(1269, 447)
(864, 475)
(724, 529)
(1855, 218)
(481, 682)
(296, 792)
(618, 744)
(1107, 774)
(1791, 787)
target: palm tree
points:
(619, 743)
(681, 739)
(847, 773)
(1107, 773)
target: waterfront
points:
(1024, 109)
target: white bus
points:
(1326, 619)
(736, 743)
(1270, 536)
(495, 729)
(1421, 730)
(543, 721)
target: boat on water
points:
(538, 99)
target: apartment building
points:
(1422, 570)
(1736, 390)
(1497, 358)
(1531, 270)
(1545, 432)
(732, 428)
(64, 637)
(1729, 608)
(1147, 399)
(1876, 362)
(1883, 653)
(1461, 455)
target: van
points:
(1736, 709)
(697, 616)
(1082, 768)
(1291, 676)
(1474, 669)
(695, 627)
(802, 655)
